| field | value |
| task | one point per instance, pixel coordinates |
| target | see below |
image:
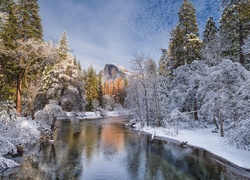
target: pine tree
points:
(91, 87)
(30, 21)
(162, 69)
(185, 46)
(100, 89)
(63, 47)
(211, 41)
(210, 32)
(234, 28)
(176, 49)
(74, 61)
(187, 18)
(10, 30)
(193, 48)
(79, 65)
(9, 36)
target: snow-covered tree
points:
(162, 68)
(62, 82)
(209, 34)
(31, 55)
(134, 99)
(63, 48)
(192, 48)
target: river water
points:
(106, 150)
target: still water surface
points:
(106, 150)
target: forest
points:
(200, 79)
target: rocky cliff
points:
(111, 72)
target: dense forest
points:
(198, 81)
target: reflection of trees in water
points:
(90, 138)
(144, 160)
(69, 157)
(158, 159)
(135, 145)
(112, 140)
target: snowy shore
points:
(204, 138)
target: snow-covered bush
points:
(8, 113)
(239, 134)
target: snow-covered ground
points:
(204, 138)
(21, 132)
(97, 114)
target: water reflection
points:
(104, 149)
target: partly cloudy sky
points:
(112, 31)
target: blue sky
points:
(112, 31)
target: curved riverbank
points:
(207, 141)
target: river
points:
(105, 149)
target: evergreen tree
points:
(29, 19)
(9, 36)
(162, 69)
(193, 47)
(63, 47)
(187, 18)
(75, 62)
(211, 42)
(210, 31)
(79, 65)
(184, 46)
(100, 90)
(176, 49)
(91, 87)
(234, 28)
(10, 30)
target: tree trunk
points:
(146, 98)
(241, 37)
(157, 108)
(221, 125)
(19, 94)
(195, 110)
(216, 124)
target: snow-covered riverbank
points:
(204, 138)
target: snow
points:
(204, 138)
(21, 132)
(6, 164)
(98, 114)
